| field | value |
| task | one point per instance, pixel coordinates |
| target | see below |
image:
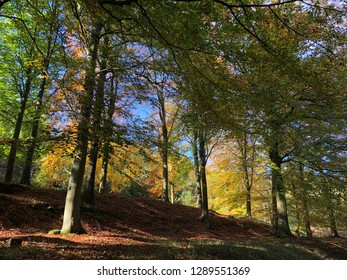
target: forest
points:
(231, 107)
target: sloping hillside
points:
(120, 227)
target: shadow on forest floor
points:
(131, 228)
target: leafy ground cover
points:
(120, 227)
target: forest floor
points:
(120, 227)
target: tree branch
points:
(242, 5)
(299, 33)
(116, 3)
(328, 8)
(261, 41)
(28, 31)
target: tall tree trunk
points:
(305, 202)
(281, 216)
(165, 176)
(108, 130)
(26, 175)
(18, 127)
(202, 159)
(72, 219)
(88, 191)
(172, 193)
(164, 143)
(248, 189)
(274, 217)
(51, 44)
(88, 195)
(104, 170)
(330, 210)
(332, 222)
(243, 145)
(197, 170)
(297, 209)
(306, 214)
(298, 226)
(249, 203)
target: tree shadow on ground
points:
(57, 248)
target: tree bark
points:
(88, 195)
(274, 218)
(88, 192)
(108, 130)
(197, 170)
(305, 203)
(306, 215)
(104, 169)
(165, 176)
(172, 193)
(26, 175)
(202, 159)
(330, 211)
(18, 127)
(243, 146)
(280, 207)
(51, 44)
(332, 221)
(164, 143)
(72, 219)
(297, 209)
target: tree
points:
(194, 144)
(164, 106)
(72, 221)
(301, 191)
(24, 68)
(108, 128)
(96, 125)
(47, 52)
(206, 68)
(247, 149)
(279, 98)
(199, 100)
